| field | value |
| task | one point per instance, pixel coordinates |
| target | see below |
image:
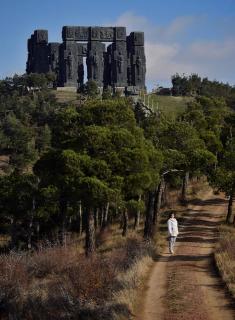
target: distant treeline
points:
(194, 85)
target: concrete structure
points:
(121, 65)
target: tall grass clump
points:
(225, 256)
(59, 282)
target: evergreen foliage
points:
(77, 168)
(194, 85)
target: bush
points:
(225, 256)
(61, 283)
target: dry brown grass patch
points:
(225, 256)
(61, 283)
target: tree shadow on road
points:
(182, 257)
(209, 202)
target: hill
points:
(168, 104)
(66, 96)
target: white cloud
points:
(140, 23)
(131, 21)
(168, 52)
(179, 25)
(163, 53)
(213, 50)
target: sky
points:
(184, 36)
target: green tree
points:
(223, 177)
(61, 171)
(17, 203)
(107, 94)
(91, 89)
(107, 131)
(21, 142)
(43, 139)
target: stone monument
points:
(121, 65)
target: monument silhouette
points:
(121, 65)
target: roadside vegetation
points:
(225, 256)
(59, 282)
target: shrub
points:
(225, 256)
(61, 283)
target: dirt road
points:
(186, 285)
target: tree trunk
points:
(105, 216)
(62, 222)
(37, 230)
(125, 223)
(148, 228)
(121, 223)
(137, 217)
(185, 187)
(158, 200)
(30, 227)
(137, 220)
(164, 199)
(101, 217)
(90, 233)
(96, 212)
(80, 218)
(13, 232)
(230, 208)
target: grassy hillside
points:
(168, 104)
(66, 96)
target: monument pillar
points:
(95, 57)
(108, 66)
(68, 64)
(137, 67)
(38, 61)
(54, 56)
(82, 52)
(119, 59)
(68, 59)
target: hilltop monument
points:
(122, 64)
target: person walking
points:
(173, 231)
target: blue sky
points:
(182, 36)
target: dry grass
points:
(176, 299)
(111, 238)
(169, 105)
(198, 187)
(132, 281)
(65, 96)
(61, 283)
(225, 256)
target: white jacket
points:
(172, 227)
